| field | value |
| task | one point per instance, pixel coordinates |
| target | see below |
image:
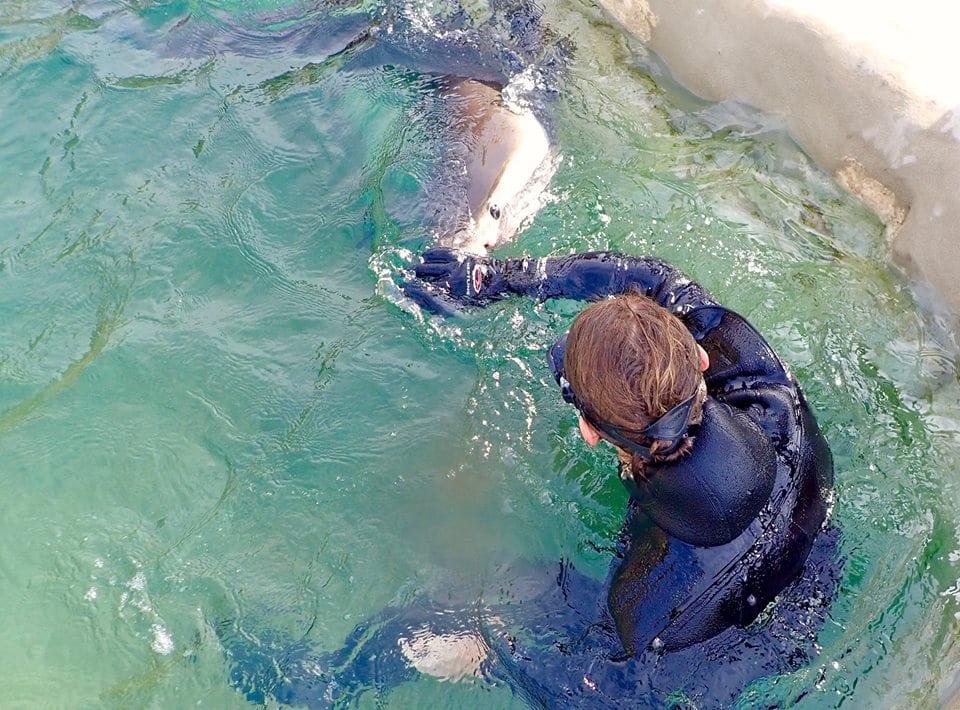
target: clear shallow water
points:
(210, 405)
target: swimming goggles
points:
(672, 427)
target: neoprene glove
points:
(447, 278)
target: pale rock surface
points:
(868, 89)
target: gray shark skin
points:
(507, 163)
(497, 159)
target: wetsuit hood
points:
(711, 495)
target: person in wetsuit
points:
(729, 477)
(728, 472)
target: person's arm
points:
(744, 371)
(446, 277)
(595, 275)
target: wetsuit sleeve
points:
(745, 373)
(595, 275)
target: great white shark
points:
(499, 150)
(507, 163)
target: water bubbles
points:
(518, 91)
(952, 591)
(138, 582)
(162, 640)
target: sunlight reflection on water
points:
(211, 406)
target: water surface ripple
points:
(211, 405)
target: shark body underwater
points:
(496, 157)
(507, 161)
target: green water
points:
(211, 404)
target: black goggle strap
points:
(670, 427)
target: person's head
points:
(630, 361)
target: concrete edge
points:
(859, 105)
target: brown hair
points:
(629, 360)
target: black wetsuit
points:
(727, 527)
(709, 541)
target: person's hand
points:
(447, 278)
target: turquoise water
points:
(213, 405)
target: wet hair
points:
(630, 360)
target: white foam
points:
(162, 640)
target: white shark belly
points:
(509, 164)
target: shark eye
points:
(494, 211)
